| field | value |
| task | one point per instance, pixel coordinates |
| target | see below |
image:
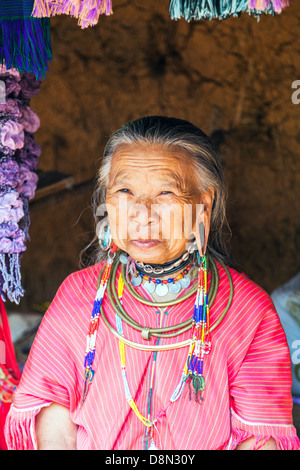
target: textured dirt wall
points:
(232, 78)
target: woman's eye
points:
(125, 190)
(166, 192)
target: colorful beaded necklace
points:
(162, 287)
(199, 344)
(192, 370)
(94, 324)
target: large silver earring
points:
(199, 232)
(192, 246)
(104, 236)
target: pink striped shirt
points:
(247, 373)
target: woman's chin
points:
(153, 251)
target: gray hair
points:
(172, 132)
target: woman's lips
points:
(145, 243)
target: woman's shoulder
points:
(75, 296)
(88, 276)
(81, 281)
(247, 293)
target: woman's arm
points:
(246, 445)
(261, 401)
(54, 428)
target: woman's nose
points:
(143, 212)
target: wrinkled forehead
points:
(133, 162)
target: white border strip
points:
(249, 423)
(30, 409)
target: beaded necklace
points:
(176, 394)
(199, 328)
(162, 287)
(94, 324)
(200, 332)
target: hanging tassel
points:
(91, 11)
(200, 337)
(195, 10)
(272, 6)
(11, 275)
(42, 9)
(86, 11)
(279, 5)
(198, 383)
(196, 379)
(25, 44)
(88, 378)
(19, 157)
(258, 4)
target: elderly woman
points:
(160, 343)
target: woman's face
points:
(152, 197)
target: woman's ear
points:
(202, 221)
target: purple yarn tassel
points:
(264, 5)
(18, 179)
(87, 11)
(279, 5)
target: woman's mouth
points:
(143, 243)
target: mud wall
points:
(232, 78)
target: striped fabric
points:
(248, 378)
(16, 8)
(25, 42)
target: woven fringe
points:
(282, 442)
(19, 430)
(195, 10)
(11, 277)
(264, 5)
(25, 44)
(86, 11)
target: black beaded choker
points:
(156, 268)
(169, 267)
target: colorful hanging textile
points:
(18, 163)
(87, 11)
(193, 10)
(25, 42)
